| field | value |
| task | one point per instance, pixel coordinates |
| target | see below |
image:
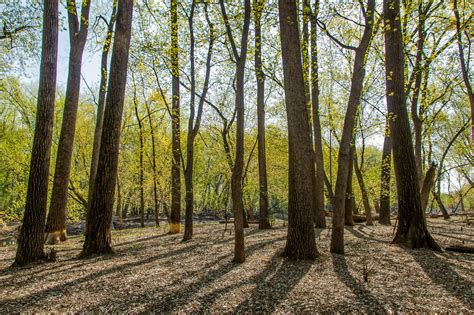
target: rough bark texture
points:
(349, 196)
(428, 184)
(237, 171)
(99, 216)
(344, 157)
(300, 242)
(411, 230)
(101, 101)
(319, 214)
(175, 217)
(264, 222)
(31, 238)
(78, 29)
(386, 166)
(363, 190)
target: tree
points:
(236, 182)
(386, 166)
(194, 123)
(78, 29)
(175, 218)
(345, 149)
(411, 230)
(264, 223)
(300, 242)
(140, 154)
(99, 216)
(31, 238)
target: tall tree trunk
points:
(31, 238)
(464, 67)
(118, 207)
(319, 213)
(78, 29)
(194, 124)
(345, 157)
(427, 187)
(140, 152)
(363, 190)
(236, 183)
(300, 242)
(386, 166)
(264, 222)
(411, 230)
(153, 164)
(98, 228)
(175, 218)
(101, 101)
(349, 196)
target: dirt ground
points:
(155, 272)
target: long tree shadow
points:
(360, 234)
(452, 282)
(268, 294)
(174, 299)
(36, 297)
(364, 297)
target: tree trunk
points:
(175, 218)
(31, 238)
(98, 227)
(236, 182)
(411, 230)
(264, 222)
(345, 157)
(300, 242)
(140, 152)
(349, 196)
(56, 222)
(363, 190)
(428, 184)
(153, 164)
(194, 124)
(118, 207)
(445, 213)
(101, 102)
(384, 215)
(319, 213)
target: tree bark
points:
(411, 230)
(386, 166)
(319, 209)
(349, 196)
(300, 242)
(98, 227)
(363, 190)
(345, 157)
(78, 29)
(264, 222)
(140, 153)
(236, 182)
(31, 239)
(153, 164)
(101, 101)
(175, 218)
(428, 184)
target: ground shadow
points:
(451, 281)
(361, 234)
(364, 297)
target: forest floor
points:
(153, 271)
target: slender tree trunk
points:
(411, 229)
(31, 238)
(236, 182)
(427, 187)
(101, 101)
(141, 149)
(386, 166)
(300, 242)
(118, 207)
(345, 157)
(194, 124)
(319, 213)
(78, 28)
(363, 190)
(264, 222)
(464, 67)
(175, 218)
(348, 204)
(98, 228)
(153, 164)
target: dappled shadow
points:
(360, 234)
(37, 297)
(450, 280)
(364, 297)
